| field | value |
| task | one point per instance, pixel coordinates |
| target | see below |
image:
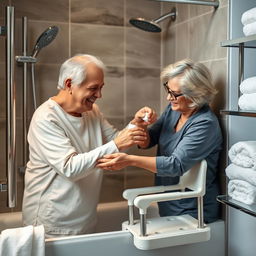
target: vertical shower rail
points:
(11, 108)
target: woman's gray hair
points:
(195, 81)
(75, 69)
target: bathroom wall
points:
(100, 28)
(196, 34)
(133, 58)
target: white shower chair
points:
(171, 230)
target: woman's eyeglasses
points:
(174, 95)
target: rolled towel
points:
(243, 153)
(247, 101)
(235, 172)
(249, 29)
(248, 85)
(242, 191)
(249, 16)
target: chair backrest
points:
(195, 178)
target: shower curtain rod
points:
(210, 3)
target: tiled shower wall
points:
(133, 59)
(100, 28)
(196, 34)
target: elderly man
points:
(67, 135)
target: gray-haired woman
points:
(187, 132)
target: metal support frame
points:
(200, 212)
(215, 3)
(11, 108)
(143, 226)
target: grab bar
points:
(11, 108)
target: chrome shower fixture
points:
(44, 39)
(152, 25)
(214, 3)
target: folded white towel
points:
(243, 153)
(247, 101)
(25, 241)
(248, 85)
(235, 172)
(242, 191)
(249, 29)
(249, 16)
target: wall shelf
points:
(241, 43)
(238, 113)
(249, 209)
(247, 41)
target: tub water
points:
(110, 240)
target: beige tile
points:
(106, 42)
(206, 42)
(112, 186)
(169, 45)
(138, 8)
(142, 89)
(181, 9)
(118, 123)
(112, 104)
(182, 42)
(196, 10)
(98, 12)
(218, 70)
(46, 81)
(142, 152)
(142, 49)
(136, 178)
(42, 10)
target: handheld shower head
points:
(152, 25)
(44, 39)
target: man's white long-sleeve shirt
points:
(62, 185)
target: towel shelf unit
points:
(238, 113)
(249, 209)
(241, 43)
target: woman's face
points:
(85, 95)
(179, 103)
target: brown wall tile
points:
(98, 12)
(56, 10)
(106, 42)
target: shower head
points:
(44, 39)
(152, 25)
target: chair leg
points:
(131, 215)
(143, 227)
(200, 212)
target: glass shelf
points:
(248, 41)
(238, 113)
(249, 209)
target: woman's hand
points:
(141, 121)
(113, 162)
(129, 137)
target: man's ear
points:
(68, 83)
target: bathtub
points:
(109, 239)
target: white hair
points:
(195, 81)
(75, 69)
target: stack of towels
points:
(247, 101)
(242, 172)
(249, 21)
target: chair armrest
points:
(143, 202)
(131, 194)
